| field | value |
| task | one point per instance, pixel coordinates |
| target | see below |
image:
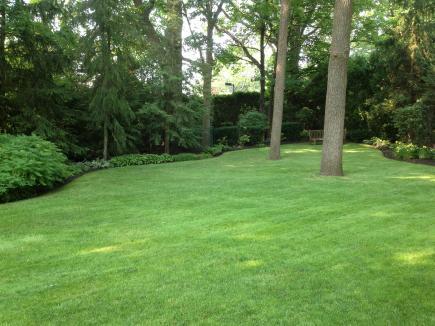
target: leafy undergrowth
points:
(233, 240)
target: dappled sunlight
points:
(415, 257)
(254, 237)
(252, 263)
(354, 151)
(301, 151)
(106, 249)
(427, 177)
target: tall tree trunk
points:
(336, 91)
(105, 140)
(272, 93)
(173, 63)
(275, 140)
(2, 46)
(206, 88)
(167, 140)
(262, 68)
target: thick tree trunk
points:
(105, 140)
(206, 87)
(261, 107)
(336, 92)
(275, 140)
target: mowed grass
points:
(232, 240)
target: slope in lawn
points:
(235, 239)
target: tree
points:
(336, 90)
(167, 47)
(108, 64)
(209, 12)
(275, 140)
(249, 27)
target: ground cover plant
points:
(233, 240)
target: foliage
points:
(405, 151)
(411, 123)
(96, 164)
(292, 131)
(29, 164)
(426, 153)
(244, 139)
(229, 133)
(253, 124)
(228, 108)
(380, 143)
(139, 159)
(191, 157)
(215, 150)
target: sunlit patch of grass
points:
(416, 257)
(251, 263)
(105, 249)
(418, 177)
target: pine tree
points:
(107, 64)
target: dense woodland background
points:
(102, 78)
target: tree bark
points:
(206, 87)
(173, 63)
(272, 93)
(275, 141)
(262, 68)
(2, 46)
(336, 91)
(105, 140)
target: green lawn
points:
(233, 240)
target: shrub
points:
(292, 131)
(229, 133)
(227, 108)
(140, 159)
(426, 153)
(411, 123)
(243, 140)
(93, 165)
(28, 165)
(357, 135)
(253, 124)
(380, 143)
(215, 150)
(405, 151)
(186, 157)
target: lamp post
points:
(230, 84)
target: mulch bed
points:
(388, 153)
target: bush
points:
(186, 157)
(253, 124)
(292, 131)
(405, 151)
(426, 153)
(29, 165)
(227, 108)
(380, 143)
(93, 165)
(229, 133)
(357, 135)
(243, 140)
(140, 159)
(411, 123)
(215, 150)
